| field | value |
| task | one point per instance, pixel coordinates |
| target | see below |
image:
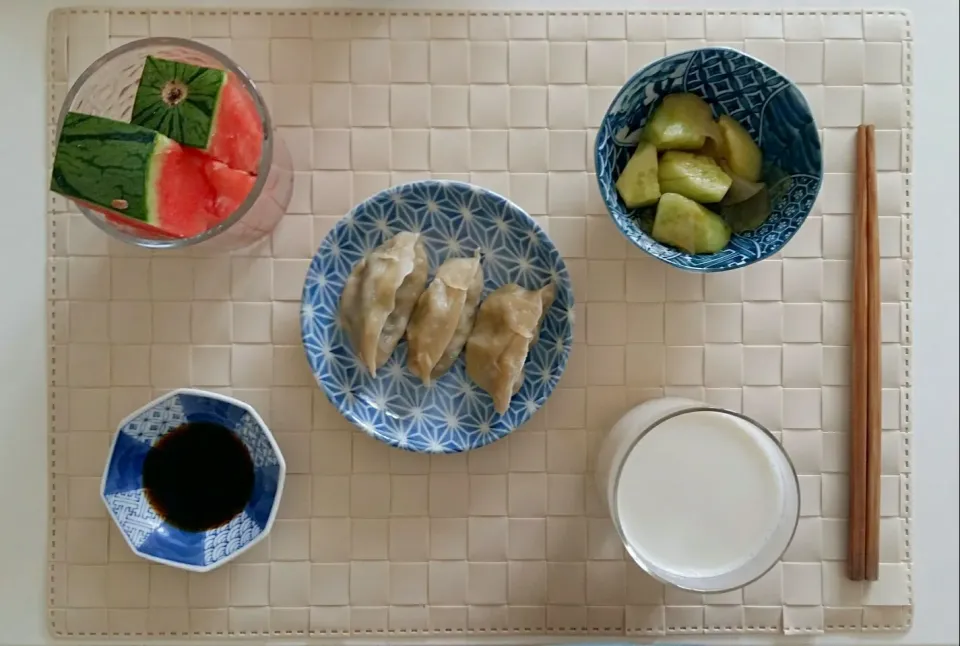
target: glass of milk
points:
(703, 498)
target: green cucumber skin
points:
(100, 160)
(192, 122)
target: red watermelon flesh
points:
(139, 178)
(238, 132)
(184, 195)
(143, 182)
(186, 199)
(195, 192)
(230, 187)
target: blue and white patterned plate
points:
(452, 414)
(149, 535)
(767, 104)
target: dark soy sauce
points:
(198, 476)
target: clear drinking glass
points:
(107, 89)
(637, 523)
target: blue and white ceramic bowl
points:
(766, 103)
(452, 414)
(147, 534)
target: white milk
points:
(704, 500)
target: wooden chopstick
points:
(856, 539)
(863, 549)
(874, 424)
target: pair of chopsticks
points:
(863, 550)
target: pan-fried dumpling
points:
(379, 296)
(508, 323)
(443, 317)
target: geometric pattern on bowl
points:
(455, 219)
(148, 534)
(767, 104)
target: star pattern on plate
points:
(455, 219)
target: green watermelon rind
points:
(193, 122)
(100, 160)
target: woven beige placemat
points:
(508, 539)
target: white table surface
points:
(23, 426)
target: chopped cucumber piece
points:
(683, 223)
(711, 148)
(694, 176)
(740, 151)
(637, 183)
(681, 122)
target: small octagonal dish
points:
(143, 526)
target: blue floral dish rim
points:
(281, 477)
(626, 86)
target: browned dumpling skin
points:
(379, 296)
(508, 323)
(444, 317)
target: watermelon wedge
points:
(137, 177)
(230, 188)
(201, 107)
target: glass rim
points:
(614, 509)
(266, 148)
